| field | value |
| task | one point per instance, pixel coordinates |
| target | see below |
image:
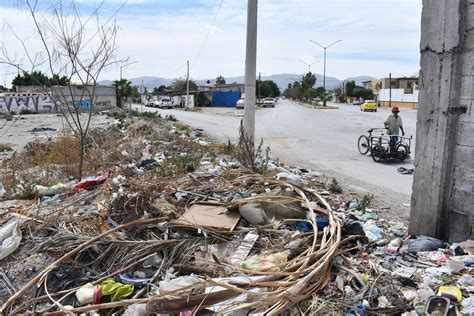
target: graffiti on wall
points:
(43, 103)
(35, 103)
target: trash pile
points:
(176, 225)
(409, 171)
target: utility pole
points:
(325, 48)
(344, 91)
(142, 99)
(187, 85)
(390, 90)
(250, 70)
(121, 67)
(259, 86)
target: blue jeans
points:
(393, 141)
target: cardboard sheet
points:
(208, 215)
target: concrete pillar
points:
(442, 203)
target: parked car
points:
(240, 104)
(149, 103)
(268, 102)
(156, 104)
(369, 105)
(165, 103)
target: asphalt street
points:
(324, 140)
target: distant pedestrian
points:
(394, 124)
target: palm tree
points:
(124, 89)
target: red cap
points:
(395, 109)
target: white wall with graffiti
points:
(38, 102)
(15, 103)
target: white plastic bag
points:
(10, 238)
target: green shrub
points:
(5, 148)
(334, 187)
(176, 165)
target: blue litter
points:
(305, 227)
(125, 278)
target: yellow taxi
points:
(369, 105)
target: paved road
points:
(324, 140)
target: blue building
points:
(226, 95)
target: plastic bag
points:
(126, 278)
(290, 178)
(424, 243)
(178, 283)
(88, 294)
(10, 238)
(372, 232)
(91, 183)
(116, 290)
(265, 263)
(54, 189)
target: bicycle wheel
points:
(402, 152)
(377, 153)
(363, 144)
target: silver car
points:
(240, 104)
(268, 102)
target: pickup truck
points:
(165, 103)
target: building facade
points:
(401, 92)
(49, 100)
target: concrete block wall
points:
(443, 188)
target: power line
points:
(208, 32)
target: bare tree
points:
(67, 49)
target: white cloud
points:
(377, 37)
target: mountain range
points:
(282, 80)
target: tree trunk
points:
(81, 155)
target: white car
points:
(165, 103)
(268, 102)
(240, 104)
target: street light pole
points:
(309, 65)
(121, 67)
(325, 48)
(250, 71)
(187, 85)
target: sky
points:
(377, 37)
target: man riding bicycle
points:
(393, 124)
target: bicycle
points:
(365, 142)
(385, 149)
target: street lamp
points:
(324, 47)
(121, 67)
(309, 65)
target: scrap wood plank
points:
(209, 215)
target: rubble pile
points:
(173, 224)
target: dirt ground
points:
(26, 128)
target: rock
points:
(162, 207)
